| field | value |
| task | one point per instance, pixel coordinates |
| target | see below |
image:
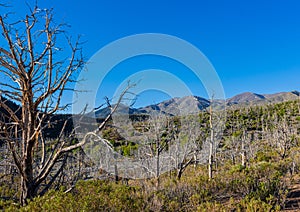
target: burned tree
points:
(37, 64)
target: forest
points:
(255, 168)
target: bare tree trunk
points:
(233, 159)
(211, 145)
(116, 171)
(182, 167)
(157, 162)
(210, 161)
(244, 158)
(28, 190)
(195, 160)
(244, 154)
(179, 172)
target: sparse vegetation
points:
(260, 184)
(253, 166)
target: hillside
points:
(256, 168)
(50, 130)
(4, 102)
(248, 98)
(194, 104)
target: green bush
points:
(88, 196)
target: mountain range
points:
(189, 104)
(254, 98)
(194, 104)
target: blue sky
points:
(253, 45)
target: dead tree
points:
(283, 136)
(36, 80)
(159, 136)
(211, 143)
(216, 127)
(37, 64)
(188, 143)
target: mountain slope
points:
(245, 98)
(194, 104)
(254, 99)
(11, 105)
(178, 106)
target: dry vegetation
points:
(254, 167)
(266, 181)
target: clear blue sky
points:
(253, 45)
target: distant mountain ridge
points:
(188, 104)
(246, 97)
(175, 106)
(254, 98)
(194, 104)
